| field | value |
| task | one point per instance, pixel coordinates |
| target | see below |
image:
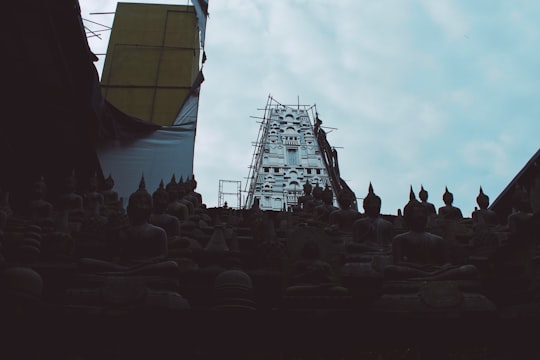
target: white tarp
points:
(158, 156)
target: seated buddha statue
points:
(423, 195)
(93, 200)
(449, 211)
(160, 218)
(191, 186)
(112, 205)
(109, 195)
(323, 211)
(344, 217)
(418, 254)
(317, 197)
(185, 198)
(371, 232)
(71, 202)
(175, 207)
(141, 241)
(483, 215)
(304, 200)
(41, 211)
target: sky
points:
(425, 93)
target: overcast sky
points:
(422, 92)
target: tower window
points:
(292, 157)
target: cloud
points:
(448, 17)
(414, 100)
(488, 155)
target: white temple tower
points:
(287, 154)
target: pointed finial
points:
(411, 194)
(370, 189)
(161, 185)
(142, 184)
(481, 191)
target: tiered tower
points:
(287, 154)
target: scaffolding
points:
(225, 194)
(289, 198)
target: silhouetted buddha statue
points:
(323, 211)
(344, 217)
(41, 211)
(484, 215)
(189, 200)
(109, 195)
(449, 211)
(372, 232)
(113, 206)
(419, 254)
(304, 201)
(423, 195)
(190, 190)
(94, 231)
(71, 202)
(141, 241)
(175, 207)
(160, 218)
(317, 196)
(93, 200)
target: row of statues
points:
(172, 226)
(415, 252)
(317, 199)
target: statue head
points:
(372, 203)
(423, 194)
(415, 215)
(317, 191)
(307, 188)
(448, 197)
(139, 205)
(328, 195)
(346, 199)
(160, 198)
(482, 199)
(108, 184)
(172, 189)
(181, 188)
(192, 183)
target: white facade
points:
(286, 156)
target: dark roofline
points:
(502, 204)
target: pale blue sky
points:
(439, 93)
